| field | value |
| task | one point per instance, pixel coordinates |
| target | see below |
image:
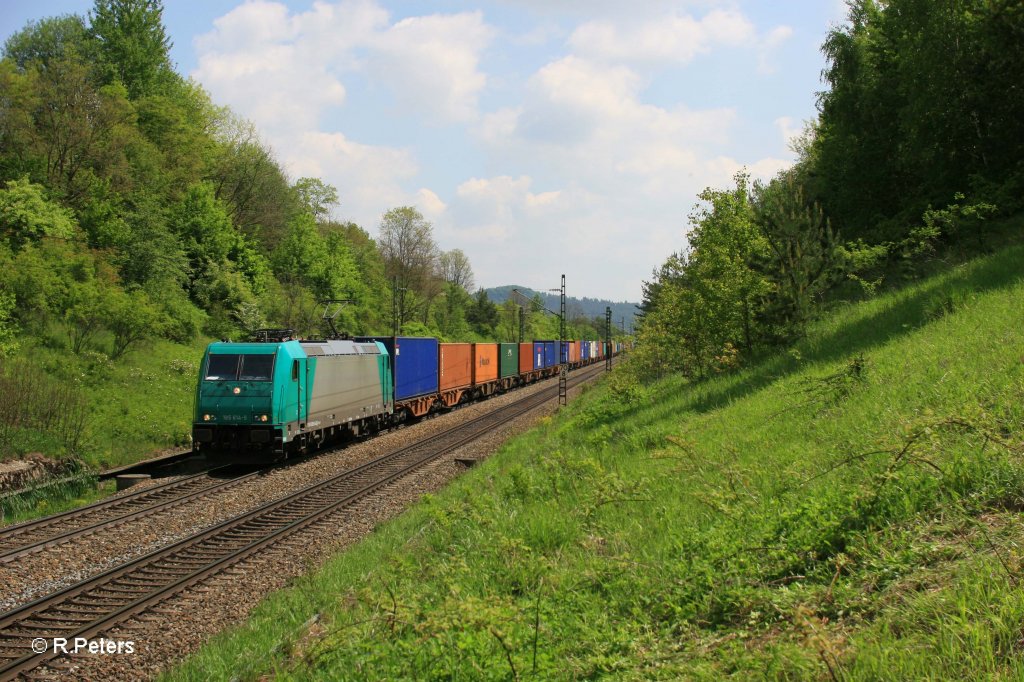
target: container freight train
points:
(267, 400)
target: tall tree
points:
(46, 40)
(248, 178)
(483, 314)
(861, 175)
(800, 260)
(923, 102)
(409, 252)
(317, 197)
(455, 269)
(26, 214)
(203, 228)
(81, 130)
(725, 242)
(133, 44)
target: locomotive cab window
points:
(295, 370)
(256, 368)
(222, 368)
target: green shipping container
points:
(509, 361)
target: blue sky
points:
(539, 136)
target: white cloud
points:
(432, 63)
(285, 71)
(723, 168)
(608, 8)
(255, 60)
(587, 122)
(789, 129)
(767, 46)
(430, 205)
(674, 38)
(603, 243)
(840, 11)
(538, 35)
(575, 168)
(369, 177)
(252, 24)
(622, 172)
(274, 66)
(777, 36)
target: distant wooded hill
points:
(622, 311)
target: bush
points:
(30, 401)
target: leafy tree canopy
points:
(26, 214)
(132, 43)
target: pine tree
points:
(801, 260)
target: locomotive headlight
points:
(236, 390)
(262, 418)
(206, 417)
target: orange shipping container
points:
(454, 365)
(525, 358)
(485, 363)
(574, 351)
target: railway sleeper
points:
(181, 560)
(126, 588)
(24, 631)
(144, 583)
(112, 592)
(90, 614)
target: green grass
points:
(53, 499)
(133, 407)
(763, 524)
(847, 510)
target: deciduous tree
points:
(133, 43)
(409, 252)
(317, 197)
(26, 214)
(455, 269)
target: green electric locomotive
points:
(264, 401)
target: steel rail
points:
(146, 465)
(173, 494)
(130, 589)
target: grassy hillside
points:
(847, 510)
(106, 412)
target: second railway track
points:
(95, 605)
(32, 536)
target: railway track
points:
(32, 536)
(148, 466)
(95, 605)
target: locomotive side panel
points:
(345, 388)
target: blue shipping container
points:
(550, 353)
(585, 350)
(413, 364)
(538, 355)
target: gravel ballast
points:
(180, 625)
